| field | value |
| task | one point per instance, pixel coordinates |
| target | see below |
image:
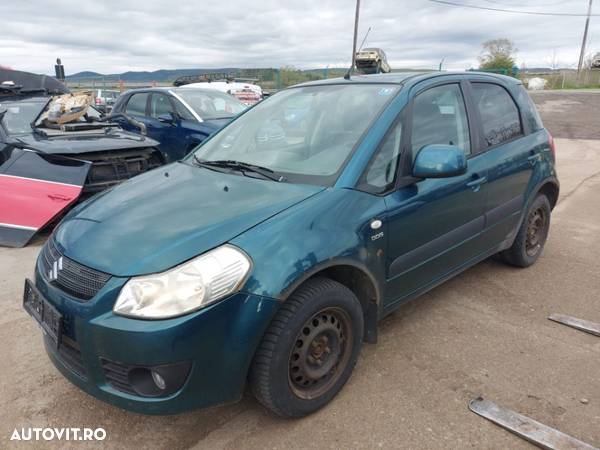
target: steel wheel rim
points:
(536, 231)
(320, 353)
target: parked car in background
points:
(268, 256)
(104, 99)
(178, 118)
(45, 167)
(596, 61)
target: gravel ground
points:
(484, 332)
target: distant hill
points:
(160, 76)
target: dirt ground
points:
(485, 332)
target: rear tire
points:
(309, 350)
(530, 240)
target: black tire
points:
(530, 240)
(322, 320)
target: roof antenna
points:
(364, 39)
(347, 76)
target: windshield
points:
(19, 115)
(211, 105)
(305, 134)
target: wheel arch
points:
(355, 277)
(550, 189)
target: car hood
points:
(74, 145)
(167, 216)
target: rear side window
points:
(136, 106)
(499, 114)
(439, 117)
(531, 117)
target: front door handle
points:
(476, 183)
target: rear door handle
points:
(476, 184)
(59, 197)
(533, 158)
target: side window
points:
(182, 111)
(530, 112)
(381, 173)
(440, 117)
(136, 106)
(160, 105)
(499, 114)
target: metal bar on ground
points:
(535, 432)
(579, 324)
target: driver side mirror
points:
(440, 161)
(167, 118)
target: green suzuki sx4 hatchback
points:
(268, 255)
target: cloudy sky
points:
(117, 36)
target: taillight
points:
(552, 146)
(98, 100)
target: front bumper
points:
(217, 342)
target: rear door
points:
(508, 154)
(136, 107)
(434, 225)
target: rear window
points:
(137, 104)
(499, 113)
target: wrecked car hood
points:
(165, 217)
(77, 144)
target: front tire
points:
(310, 349)
(531, 238)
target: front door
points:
(434, 225)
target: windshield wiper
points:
(241, 166)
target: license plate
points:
(43, 312)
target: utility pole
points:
(585, 33)
(356, 34)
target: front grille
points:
(70, 355)
(79, 281)
(116, 375)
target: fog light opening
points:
(159, 381)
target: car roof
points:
(402, 78)
(169, 88)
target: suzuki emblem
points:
(56, 266)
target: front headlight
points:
(185, 288)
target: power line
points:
(513, 11)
